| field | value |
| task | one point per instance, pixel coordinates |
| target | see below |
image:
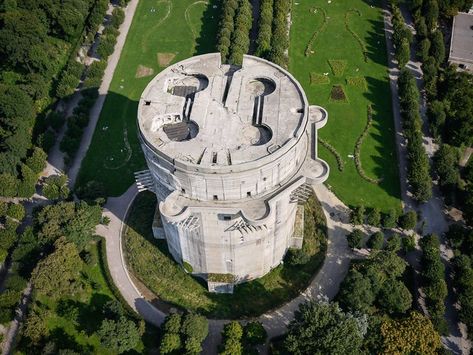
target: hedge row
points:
(234, 35)
(331, 149)
(402, 37)
(433, 280)
(308, 49)
(81, 115)
(280, 36)
(418, 167)
(25, 253)
(357, 152)
(360, 42)
(263, 41)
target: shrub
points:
(297, 257)
(55, 187)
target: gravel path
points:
(432, 212)
(325, 283)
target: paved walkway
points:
(325, 283)
(433, 211)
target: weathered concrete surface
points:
(230, 151)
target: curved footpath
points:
(325, 283)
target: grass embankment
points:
(150, 261)
(349, 56)
(162, 32)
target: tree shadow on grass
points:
(376, 43)
(387, 164)
(63, 340)
(206, 41)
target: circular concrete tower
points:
(232, 153)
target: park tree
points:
(424, 49)
(394, 297)
(118, 335)
(437, 117)
(59, 273)
(376, 241)
(403, 53)
(408, 220)
(254, 333)
(356, 293)
(55, 187)
(373, 217)
(37, 160)
(323, 328)
(357, 215)
(355, 239)
(195, 329)
(232, 336)
(413, 334)
(446, 165)
(389, 219)
(431, 13)
(171, 341)
(16, 211)
(437, 49)
(35, 328)
(394, 243)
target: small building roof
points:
(461, 47)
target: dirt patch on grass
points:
(338, 66)
(164, 59)
(319, 79)
(338, 94)
(143, 71)
(358, 82)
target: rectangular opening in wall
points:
(214, 158)
(183, 191)
(147, 103)
(227, 218)
(215, 197)
(248, 194)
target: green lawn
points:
(174, 29)
(149, 261)
(347, 118)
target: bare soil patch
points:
(164, 59)
(143, 71)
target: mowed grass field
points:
(162, 32)
(348, 118)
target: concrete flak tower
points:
(232, 154)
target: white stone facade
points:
(231, 152)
